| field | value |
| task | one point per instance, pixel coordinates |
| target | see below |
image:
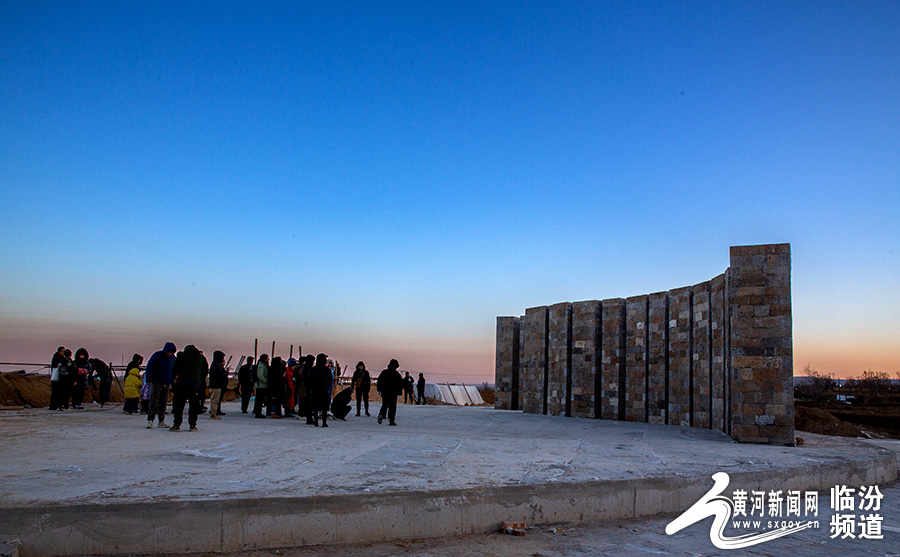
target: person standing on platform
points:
(133, 385)
(83, 369)
(159, 376)
(275, 388)
(188, 380)
(58, 360)
(362, 383)
(408, 384)
(390, 385)
(420, 390)
(319, 389)
(261, 385)
(304, 404)
(218, 382)
(245, 383)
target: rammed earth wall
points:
(716, 355)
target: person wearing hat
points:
(218, 381)
(340, 404)
(390, 385)
(159, 376)
(319, 388)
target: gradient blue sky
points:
(377, 180)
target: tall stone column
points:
(636, 359)
(612, 362)
(701, 367)
(658, 354)
(586, 384)
(680, 356)
(559, 366)
(534, 371)
(718, 314)
(762, 364)
(506, 364)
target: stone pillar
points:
(612, 362)
(636, 359)
(534, 370)
(701, 367)
(717, 317)
(506, 364)
(762, 365)
(559, 359)
(658, 358)
(680, 356)
(521, 404)
(586, 386)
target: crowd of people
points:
(303, 388)
(71, 377)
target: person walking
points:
(261, 385)
(245, 383)
(218, 382)
(58, 359)
(83, 369)
(390, 385)
(362, 383)
(319, 389)
(133, 385)
(159, 376)
(189, 375)
(420, 390)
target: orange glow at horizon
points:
(847, 359)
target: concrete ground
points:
(637, 536)
(98, 481)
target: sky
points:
(378, 180)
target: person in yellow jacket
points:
(133, 385)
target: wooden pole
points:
(292, 352)
(272, 355)
(255, 349)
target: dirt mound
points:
(816, 420)
(487, 395)
(32, 390)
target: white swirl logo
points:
(722, 509)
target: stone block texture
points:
(612, 359)
(716, 355)
(636, 359)
(680, 330)
(506, 396)
(701, 365)
(658, 358)
(534, 364)
(559, 362)
(761, 342)
(586, 386)
(718, 305)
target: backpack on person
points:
(254, 373)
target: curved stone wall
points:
(715, 355)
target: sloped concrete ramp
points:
(99, 482)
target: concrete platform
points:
(97, 482)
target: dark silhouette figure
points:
(390, 385)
